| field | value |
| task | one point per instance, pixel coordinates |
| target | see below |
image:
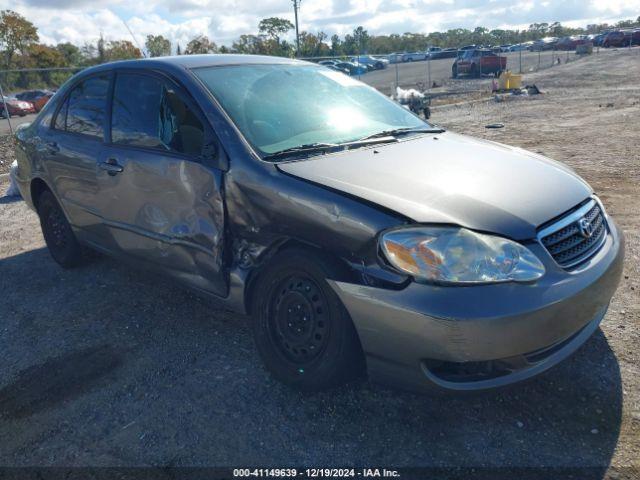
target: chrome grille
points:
(577, 236)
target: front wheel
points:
(302, 331)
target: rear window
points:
(86, 107)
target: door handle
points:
(111, 166)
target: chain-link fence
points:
(457, 70)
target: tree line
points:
(20, 47)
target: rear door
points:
(71, 148)
(161, 191)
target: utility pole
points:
(296, 6)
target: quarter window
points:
(149, 112)
(84, 111)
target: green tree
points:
(200, 44)
(158, 46)
(361, 39)
(274, 27)
(313, 45)
(16, 34)
(71, 54)
(121, 50)
(250, 44)
(336, 45)
(101, 49)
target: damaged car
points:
(357, 236)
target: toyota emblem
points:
(586, 228)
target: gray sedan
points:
(357, 236)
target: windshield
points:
(279, 107)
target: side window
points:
(86, 107)
(61, 119)
(149, 112)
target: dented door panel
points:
(168, 212)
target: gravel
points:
(105, 365)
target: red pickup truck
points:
(478, 62)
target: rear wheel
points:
(474, 71)
(454, 71)
(58, 235)
(302, 331)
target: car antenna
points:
(144, 54)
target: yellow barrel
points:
(509, 81)
(514, 82)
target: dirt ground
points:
(108, 366)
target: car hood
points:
(453, 179)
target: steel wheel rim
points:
(56, 228)
(298, 319)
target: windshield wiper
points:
(305, 148)
(396, 132)
(320, 148)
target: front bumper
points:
(425, 335)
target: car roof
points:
(196, 61)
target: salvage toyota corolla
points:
(354, 233)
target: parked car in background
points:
(599, 38)
(547, 43)
(478, 62)
(461, 50)
(446, 53)
(355, 234)
(505, 48)
(414, 56)
(39, 98)
(395, 57)
(377, 63)
(432, 50)
(326, 63)
(335, 68)
(519, 47)
(15, 107)
(616, 38)
(570, 43)
(353, 68)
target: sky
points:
(81, 21)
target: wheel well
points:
(249, 291)
(38, 186)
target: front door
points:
(161, 200)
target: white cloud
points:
(80, 21)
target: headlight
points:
(458, 255)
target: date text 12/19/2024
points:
(315, 473)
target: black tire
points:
(58, 235)
(454, 71)
(474, 71)
(302, 331)
(379, 66)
